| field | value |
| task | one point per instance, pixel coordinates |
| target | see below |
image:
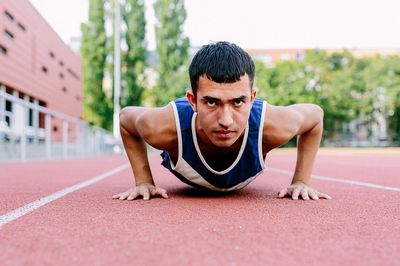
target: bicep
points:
(156, 126)
(128, 117)
(282, 123)
(306, 117)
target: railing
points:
(43, 140)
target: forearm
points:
(137, 153)
(307, 148)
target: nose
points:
(225, 119)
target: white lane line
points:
(338, 180)
(15, 214)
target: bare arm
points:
(306, 122)
(309, 122)
(138, 126)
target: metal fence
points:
(32, 132)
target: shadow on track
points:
(246, 193)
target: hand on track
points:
(145, 190)
(300, 189)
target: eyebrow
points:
(209, 98)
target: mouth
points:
(224, 134)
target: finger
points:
(159, 192)
(304, 194)
(116, 196)
(324, 196)
(123, 196)
(162, 192)
(144, 191)
(133, 195)
(313, 195)
(296, 193)
(154, 192)
(283, 193)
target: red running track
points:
(360, 226)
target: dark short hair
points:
(221, 62)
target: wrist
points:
(140, 181)
(299, 182)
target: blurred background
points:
(62, 62)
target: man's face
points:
(222, 110)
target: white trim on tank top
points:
(191, 174)
(178, 131)
(196, 145)
(260, 135)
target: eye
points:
(237, 102)
(210, 103)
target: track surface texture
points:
(359, 226)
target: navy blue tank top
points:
(192, 168)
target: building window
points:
(73, 73)
(299, 56)
(62, 75)
(266, 58)
(44, 69)
(9, 16)
(42, 116)
(78, 98)
(8, 112)
(51, 54)
(21, 27)
(3, 50)
(30, 117)
(61, 63)
(9, 34)
(64, 89)
(285, 57)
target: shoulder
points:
(282, 123)
(156, 126)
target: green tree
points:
(344, 96)
(348, 89)
(134, 58)
(172, 50)
(97, 106)
(320, 79)
(382, 78)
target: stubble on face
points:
(223, 110)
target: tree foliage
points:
(347, 88)
(97, 106)
(172, 50)
(97, 52)
(134, 58)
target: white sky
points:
(261, 23)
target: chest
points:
(222, 161)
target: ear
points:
(253, 94)
(192, 99)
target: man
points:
(219, 135)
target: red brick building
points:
(273, 56)
(36, 65)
